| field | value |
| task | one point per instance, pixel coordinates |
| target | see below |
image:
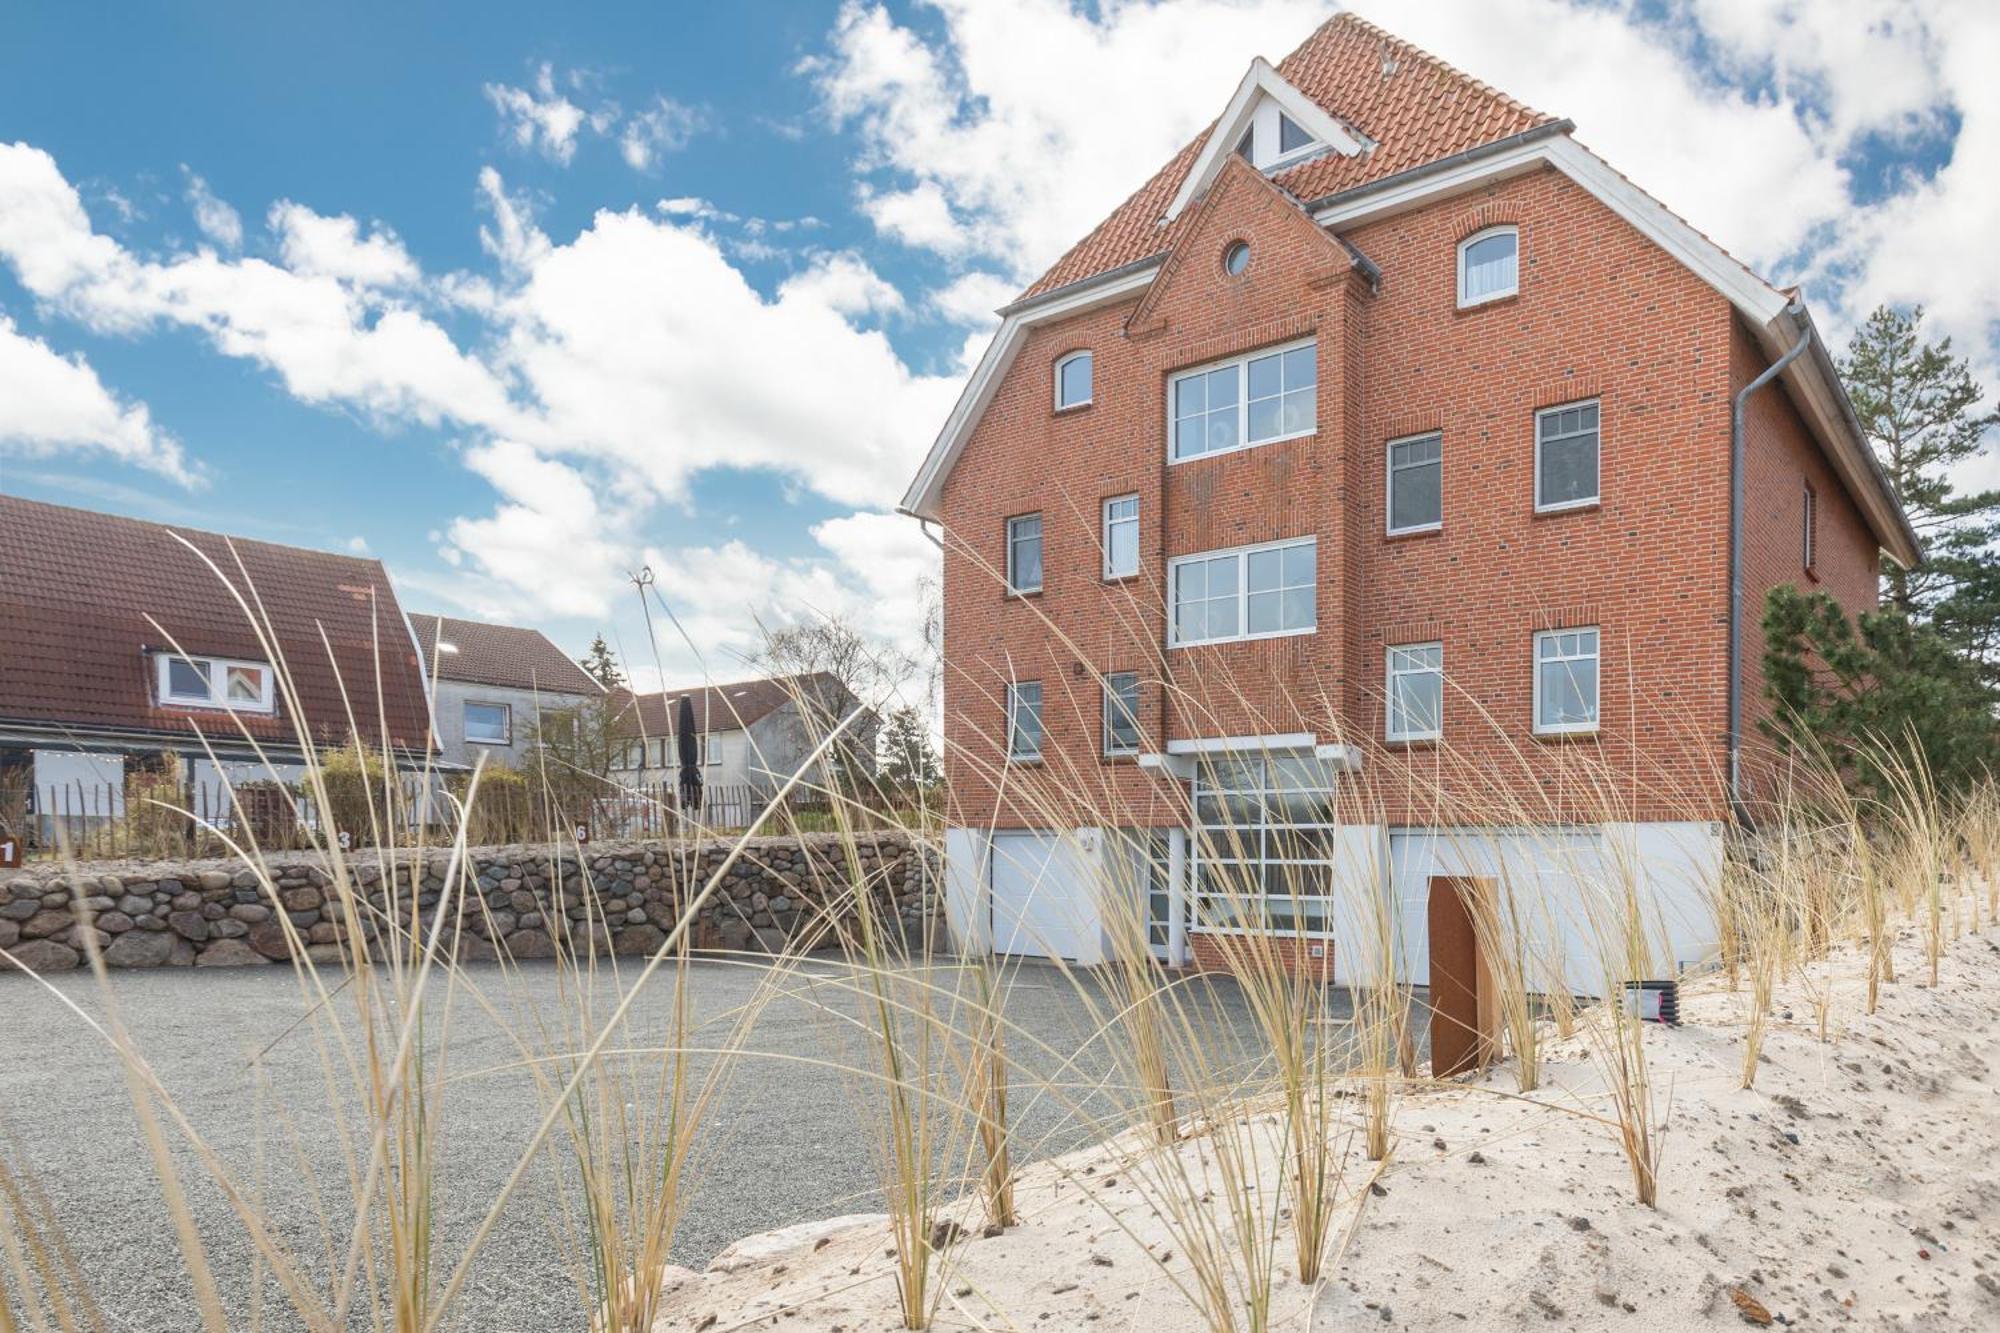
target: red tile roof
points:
(76, 644)
(504, 655)
(1414, 107)
(727, 707)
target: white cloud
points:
(318, 246)
(664, 127)
(842, 282)
(540, 119)
(1036, 118)
(216, 219)
(971, 298)
(53, 404)
(550, 542)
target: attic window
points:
(1291, 138)
(213, 682)
(1246, 146)
(1236, 258)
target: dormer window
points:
(1291, 139)
(1275, 139)
(1489, 266)
(1073, 381)
(213, 682)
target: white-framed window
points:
(1024, 720)
(712, 749)
(663, 753)
(215, 682)
(634, 755)
(1073, 380)
(1489, 265)
(1415, 692)
(1273, 140)
(1808, 527)
(1024, 553)
(1416, 483)
(1251, 592)
(1260, 398)
(1121, 537)
(1265, 840)
(1567, 446)
(1566, 670)
(488, 723)
(1121, 712)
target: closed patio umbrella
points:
(688, 741)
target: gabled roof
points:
(508, 656)
(76, 644)
(733, 706)
(1430, 131)
(1412, 107)
(1260, 83)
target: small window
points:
(634, 754)
(1256, 592)
(1566, 456)
(662, 752)
(1024, 554)
(1566, 668)
(1024, 720)
(1809, 528)
(1489, 266)
(1244, 145)
(1073, 380)
(1121, 713)
(1250, 400)
(1236, 259)
(1416, 692)
(1121, 537)
(488, 724)
(214, 682)
(1291, 139)
(1416, 483)
(712, 749)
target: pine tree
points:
(909, 760)
(1920, 408)
(601, 666)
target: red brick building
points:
(1354, 507)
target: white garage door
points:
(1041, 899)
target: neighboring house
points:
(119, 644)
(754, 733)
(492, 684)
(1385, 428)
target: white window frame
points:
(1242, 554)
(218, 684)
(1390, 675)
(1474, 239)
(1112, 574)
(1582, 502)
(1112, 751)
(1241, 364)
(1535, 679)
(1041, 541)
(711, 752)
(1034, 756)
(506, 712)
(1808, 525)
(1389, 470)
(1062, 363)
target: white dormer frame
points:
(1260, 83)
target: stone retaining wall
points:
(613, 898)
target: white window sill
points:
(1417, 531)
(1240, 448)
(474, 740)
(1072, 407)
(1564, 733)
(1244, 638)
(1568, 505)
(1488, 299)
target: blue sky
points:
(519, 297)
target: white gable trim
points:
(921, 500)
(1816, 387)
(1262, 81)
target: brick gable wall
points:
(1601, 312)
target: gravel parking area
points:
(783, 1145)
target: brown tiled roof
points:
(504, 655)
(727, 707)
(76, 591)
(1414, 107)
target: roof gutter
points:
(1396, 180)
(1039, 299)
(1771, 372)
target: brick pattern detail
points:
(1229, 953)
(1601, 312)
